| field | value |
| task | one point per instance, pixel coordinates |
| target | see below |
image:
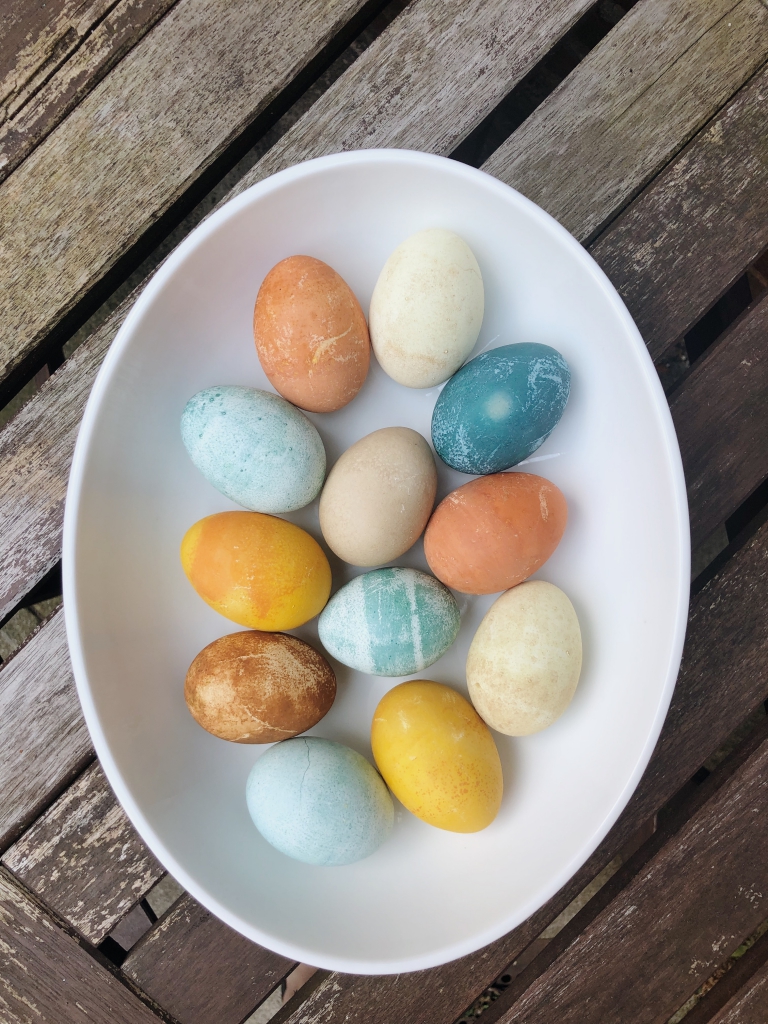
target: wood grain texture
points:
(57, 63)
(426, 82)
(136, 142)
(747, 974)
(43, 738)
(633, 102)
(750, 1006)
(676, 921)
(723, 677)
(47, 978)
(720, 416)
(84, 858)
(36, 449)
(200, 970)
(697, 226)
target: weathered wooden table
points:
(644, 129)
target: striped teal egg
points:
(500, 407)
(390, 622)
(319, 801)
(254, 447)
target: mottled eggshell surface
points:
(525, 659)
(311, 334)
(494, 532)
(255, 687)
(427, 308)
(500, 407)
(257, 570)
(437, 756)
(254, 447)
(390, 622)
(378, 497)
(319, 802)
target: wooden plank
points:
(426, 83)
(722, 425)
(749, 1005)
(694, 230)
(45, 70)
(633, 102)
(46, 976)
(36, 449)
(84, 858)
(674, 923)
(200, 970)
(192, 84)
(43, 738)
(734, 992)
(722, 678)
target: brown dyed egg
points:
(494, 532)
(257, 687)
(311, 334)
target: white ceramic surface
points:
(134, 622)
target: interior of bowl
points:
(135, 623)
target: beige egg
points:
(427, 308)
(524, 661)
(378, 497)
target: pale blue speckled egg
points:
(254, 447)
(390, 622)
(319, 801)
(500, 407)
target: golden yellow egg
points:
(437, 756)
(257, 570)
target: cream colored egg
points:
(378, 497)
(427, 308)
(525, 659)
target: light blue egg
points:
(254, 447)
(390, 622)
(500, 407)
(319, 802)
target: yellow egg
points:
(437, 756)
(257, 570)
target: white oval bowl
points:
(134, 623)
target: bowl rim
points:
(121, 342)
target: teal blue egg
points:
(254, 447)
(390, 622)
(319, 801)
(500, 407)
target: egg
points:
(500, 407)
(257, 570)
(437, 756)
(319, 801)
(311, 335)
(494, 532)
(254, 447)
(255, 687)
(427, 308)
(524, 661)
(378, 497)
(390, 622)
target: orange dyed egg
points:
(311, 334)
(494, 532)
(257, 570)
